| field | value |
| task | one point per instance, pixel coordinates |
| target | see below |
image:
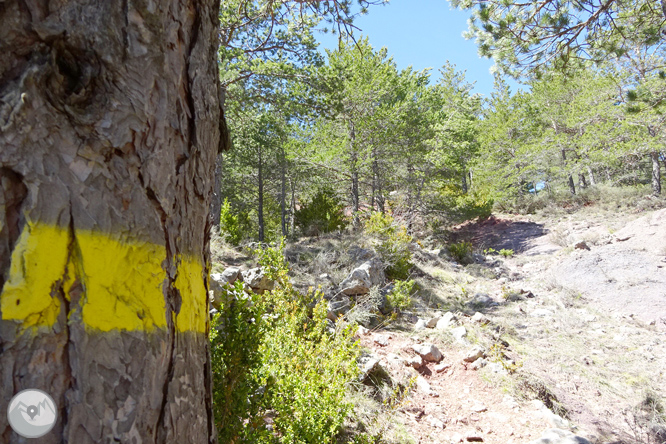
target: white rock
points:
(257, 280)
(441, 367)
(432, 322)
(480, 318)
(414, 361)
(559, 436)
(474, 354)
(382, 340)
(428, 352)
(424, 386)
(362, 331)
(361, 279)
(367, 364)
(447, 320)
(459, 333)
(479, 363)
(420, 325)
(479, 408)
(497, 368)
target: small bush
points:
(322, 214)
(393, 245)
(461, 252)
(464, 206)
(400, 298)
(235, 338)
(273, 353)
(234, 225)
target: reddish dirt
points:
(460, 390)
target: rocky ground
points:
(562, 342)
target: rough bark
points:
(572, 186)
(260, 200)
(216, 198)
(570, 181)
(110, 122)
(590, 173)
(356, 204)
(292, 211)
(283, 192)
(656, 173)
(581, 180)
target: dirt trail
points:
(586, 326)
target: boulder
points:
(420, 325)
(367, 364)
(257, 280)
(479, 363)
(582, 245)
(447, 320)
(361, 279)
(481, 300)
(219, 280)
(338, 305)
(432, 322)
(559, 436)
(382, 340)
(423, 386)
(474, 354)
(459, 333)
(480, 318)
(358, 254)
(231, 274)
(414, 361)
(428, 352)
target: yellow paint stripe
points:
(38, 262)
(123, 282)
(190, 283)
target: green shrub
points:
(288, 364)
(393, 245)
(464, 206)
(473, 205)
(323, 214)
(461, 252)
(400, 297)
(506, 253)
(236, 336)
(234, 224)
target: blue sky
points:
(424, 34)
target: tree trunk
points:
(582, 183)
(593, 182)
(260, 200)
(109, 128)
(216, 199)
(572, 186)
(354, 173)
(464, 182)
(656, 174)
(292, 219)
(283, 193)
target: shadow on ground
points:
(499, 234)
